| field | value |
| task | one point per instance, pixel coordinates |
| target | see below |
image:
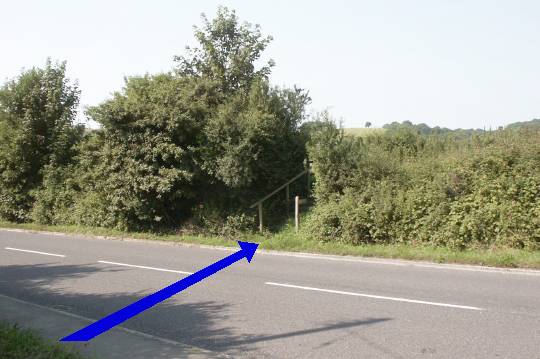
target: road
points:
(283, 306)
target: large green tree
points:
(226, 53)
(210, 135)
(251, 132)
(37, 114)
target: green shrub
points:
(17, 343)
(210, 219)
(53, 201)
(37, 130)
(402, 187)
(237, 225)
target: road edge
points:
(305, 255)
(53, 323)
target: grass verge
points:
(364, 131)
(288, 240)
(17, 343)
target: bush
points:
(211, 220)
(478, 191)
(53, 201)
(37, 130)
(17, 343)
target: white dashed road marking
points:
(145, 267)
(374, 296)
(35, 252)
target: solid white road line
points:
(35, 252)
(375, 296)
(145, 267)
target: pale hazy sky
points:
(448, 63)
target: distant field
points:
(363, 131)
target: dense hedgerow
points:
(193, 148)
(481, 190)
(197, 144)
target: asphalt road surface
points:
(283, 306)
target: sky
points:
(455, 64)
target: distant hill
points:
(426, 130)
(527, 124)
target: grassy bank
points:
(17, 343)
(288, 240)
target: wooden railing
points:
(286, 185)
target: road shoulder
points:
(117, 343)
(305, 255)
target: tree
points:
(251, 131)
(368, 124)
(253, 140)
(227, 53)
(37, 114)
(146, 165)
(212, 134)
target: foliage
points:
(334, 156)
(196, 146)
(37, 131)
(17, 343)
(226, 54)
(56, 194)
(145, 164)
(406, 187)
(199, 142)
(234, 226)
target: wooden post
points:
(308, 181)
(297, 212)
(287, 201)
(260, 218)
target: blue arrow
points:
(247, 250)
